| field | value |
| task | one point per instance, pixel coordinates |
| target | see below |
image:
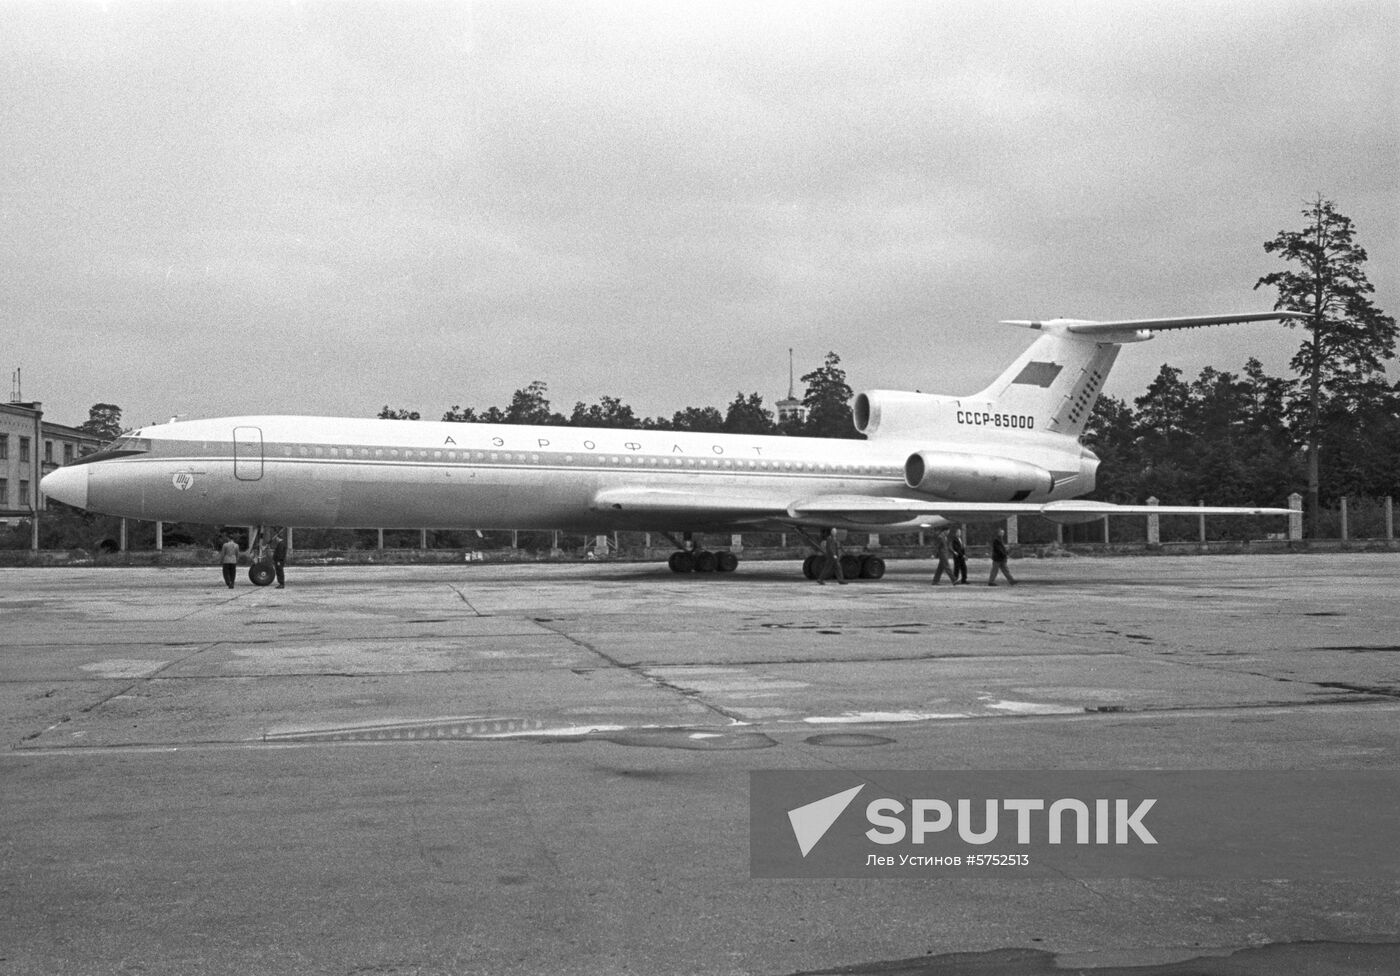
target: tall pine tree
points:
(1348, 337)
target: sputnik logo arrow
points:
(811, 822)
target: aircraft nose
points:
(67, 485)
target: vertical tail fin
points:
(1056, 381)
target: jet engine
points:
(895, 413)
(976, 477)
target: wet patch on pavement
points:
(848, 740)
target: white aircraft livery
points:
(927, 460)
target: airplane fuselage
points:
(329, 472)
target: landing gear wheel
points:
(810, 565)
(727, 561)
(261, 573)
(872, 567)
(850, 566)
(706, 561)
(681, 561)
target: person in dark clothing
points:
(831, 563)
(940, 552)
(228, 556)
(999, 556)
(959, 556)
(279, 559)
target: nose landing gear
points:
(260, 573)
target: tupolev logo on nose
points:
(811, 822)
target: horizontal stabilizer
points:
(1092, 328)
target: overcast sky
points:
(322, 208)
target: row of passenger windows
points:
(619, 460)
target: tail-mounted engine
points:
(895, 413)
(976, 477)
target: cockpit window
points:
(124, 446)
(128, 442)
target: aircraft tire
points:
(727, 561)
(872, 567)
(809, 567)
(850, 566)
(681, 562)
(706, 561)
(261, 573)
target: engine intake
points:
(895, 413)
(976, 477)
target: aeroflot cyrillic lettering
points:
(541, 443)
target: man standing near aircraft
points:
(831, 564)
(228, 556)
(940, 552)
(959, 557)
(279, 559)
(999, 556)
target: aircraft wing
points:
(885, 510)
(823, 510)
(672, 503)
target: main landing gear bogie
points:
(702, 561)
(852, 566)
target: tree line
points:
(826, 402)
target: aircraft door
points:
(247, 453)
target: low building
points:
(31, 447)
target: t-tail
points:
(1050, 388)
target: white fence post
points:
(1295, 521)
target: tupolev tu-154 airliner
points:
(927, 460)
